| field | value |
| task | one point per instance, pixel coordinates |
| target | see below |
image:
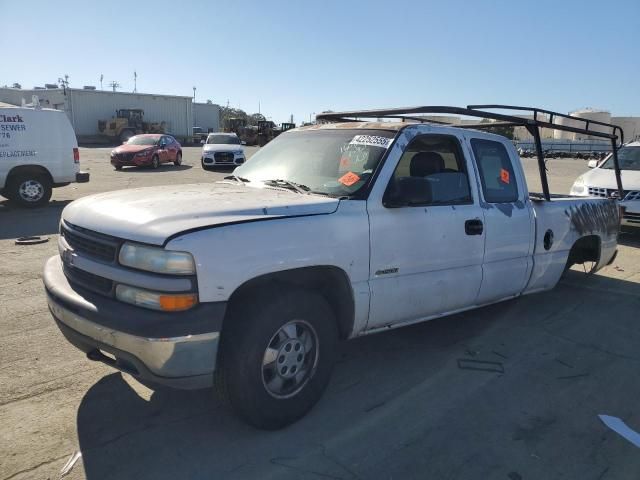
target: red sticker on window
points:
(349, 179)
(344, 163)
(504, 175)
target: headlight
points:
(155, 300)
(578, 186)
(143, 153)
(158, 260)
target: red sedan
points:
(149, 150)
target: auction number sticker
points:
(371, 141)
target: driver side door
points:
(426, 259)
(162, 149)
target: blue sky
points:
(304, 57)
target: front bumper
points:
(209, 159)
(134, 162)
(182, 353)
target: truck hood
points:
(152, 214)
(605, 178)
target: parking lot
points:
(400, 404)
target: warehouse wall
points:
(89, 106)
(206, 116)
(52, 98)
(85, 107)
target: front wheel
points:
(155, 162)
(29, 190)
(276, 356)
(178, 161)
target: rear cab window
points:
(497, 176)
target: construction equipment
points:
(127, 123)
(234, 125)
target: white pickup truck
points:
(329, 232)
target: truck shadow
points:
(18, 222)
(380, 382)
(630, 237)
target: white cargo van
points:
(38, 151)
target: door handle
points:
(473, 227)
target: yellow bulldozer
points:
(127, 123)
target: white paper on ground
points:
(621, 428)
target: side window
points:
(496, 171)
(435, 166)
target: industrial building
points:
(630, 126)
(86, 107)
(206, 116)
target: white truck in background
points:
(329, 232)
(601, 182)
(38, 152)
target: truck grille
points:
(223, 157)
(609, 192)
(631, 217)
(88, 280)
(90, 243)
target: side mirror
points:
(592, 163)
(408, 191)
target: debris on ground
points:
(66, 468)
(617, 425)
(484, 366)
(34, 240)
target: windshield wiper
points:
(296, 187)
(237, 178)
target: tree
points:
(254, 118)
(504, 131)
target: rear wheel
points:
(29, 190)
(178, 161)
(276, 356)
(155, 162)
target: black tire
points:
(254, 323)
(178, 161)
(118, 167)
(29, 190)
(155, 162)
(204, 167)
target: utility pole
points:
(101, 78)
(194, 94)
(258, 107)
(135, 82)
(114, 85)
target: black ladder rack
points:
(541, 119)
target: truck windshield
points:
(223, 140)
(628, 158)
(329, 162)
(140, 140)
